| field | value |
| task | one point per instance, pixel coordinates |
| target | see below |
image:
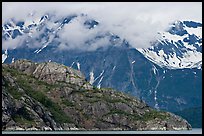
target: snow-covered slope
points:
(4, 56)
(50, 30)
(176, 85)
(179, 47)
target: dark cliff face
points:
(50, 96)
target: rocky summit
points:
(51, 96)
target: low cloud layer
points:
(74, 35)
(137, 22)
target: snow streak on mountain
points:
(167, 75)
(179, 47)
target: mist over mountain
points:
(161, 63)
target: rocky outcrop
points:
(51, 72)
(50, 96)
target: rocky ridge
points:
(51, 96)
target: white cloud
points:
(13, 44)
(74, 35)
(137, 22)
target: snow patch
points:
(190, 59)
(114, 67)
(156, 106)
(182, 54)
(72, 64)
(46, 44)
(4, 56)
(161, 53)
(196, 31)
(78, 66)
(12, 60)
(154, 70)
(99, 83)
(99, 75)
(91, 77)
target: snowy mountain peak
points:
(192, 24)
(58, 32)
(43, 18)
(179, 47)
(91, 23)
(177, 28)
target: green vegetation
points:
(38, 89)
(13, 72)
(23, 117)
(117, 111)
(31, 87)
(154, 114)
(54, 108)
(112, 100)
(121, 112)
(67, 103)
(147, 116)
(14, 92)
(95, 88)
(21, 120)
(25, 113)
(73, 76)
(93, 100)
(96, 95)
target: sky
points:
(137, 22)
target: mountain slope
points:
(179, 47)
(169, 89)
(155, 75)
(50, 96)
